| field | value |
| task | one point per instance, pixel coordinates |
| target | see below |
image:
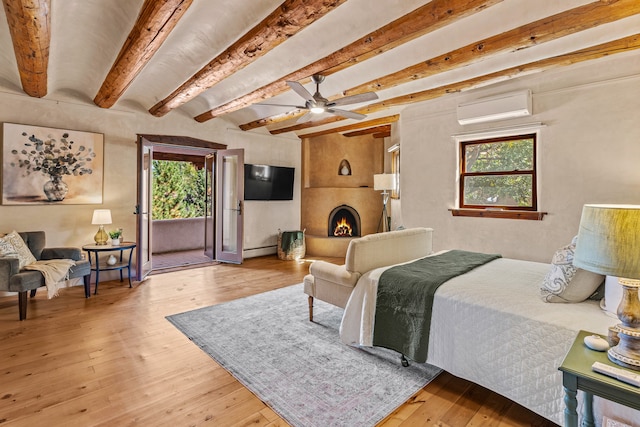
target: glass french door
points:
(209, 207)
(143, 209)
(229, 173)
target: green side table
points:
(577, 375)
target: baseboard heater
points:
(498, 107)
(259, 251)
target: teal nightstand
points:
(577, 375)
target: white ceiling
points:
(87, 35)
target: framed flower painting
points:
(51, 166)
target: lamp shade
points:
(101, 217)
(384, 181)
(609, 240)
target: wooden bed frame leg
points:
(404, 361)
(310, 308)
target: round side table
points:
(93, 251)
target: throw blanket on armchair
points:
(405, 298)
(55, 272)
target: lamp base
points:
(101, 236)
(627, 352)
(385, 219)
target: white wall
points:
(589, 152)
(264, 218)
(71, 224)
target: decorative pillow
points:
(7, 248)
(566, 283)
(25, 256)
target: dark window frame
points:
(532, 173)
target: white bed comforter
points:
(491, 327)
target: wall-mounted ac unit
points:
(499, 107)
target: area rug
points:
(300, 368)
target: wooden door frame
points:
(170, 147)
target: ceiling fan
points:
(318, 104)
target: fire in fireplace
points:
(343, 229)
(344, 221)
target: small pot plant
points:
(115, 237)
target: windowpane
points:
(499, 190)
(395, 170)
(511, 155)
(499, 172)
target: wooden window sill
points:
(490, 213)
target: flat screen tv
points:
(264, 182)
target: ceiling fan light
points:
(317, 110)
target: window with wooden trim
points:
(395, 170)
(499, 173)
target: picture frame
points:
(45, 166)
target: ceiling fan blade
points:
(354, 99)
(300, 90)
(299, 107)
(305, 117)
(346, 114)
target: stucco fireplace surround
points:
(327, 189)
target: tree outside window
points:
(178, 190)
(499, 173)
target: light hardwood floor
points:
(114, 360)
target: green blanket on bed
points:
(405, 299)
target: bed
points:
(491, 327)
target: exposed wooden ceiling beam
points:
(624, 44)
(384, 134)
(605, 49)
(561, 24)
(359, 125)
(374, 130)
(30, 27)
(285, 21)
(306, 125)
(435, 14)
(153, 26)
(272, 120)
(549, 28)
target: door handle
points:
(239, 208)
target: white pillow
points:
(612, 296)
(566, 283)
(25, 257)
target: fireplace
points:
(344, 221)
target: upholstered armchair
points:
(14, 279)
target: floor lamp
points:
(384, 182)
(609, 243)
